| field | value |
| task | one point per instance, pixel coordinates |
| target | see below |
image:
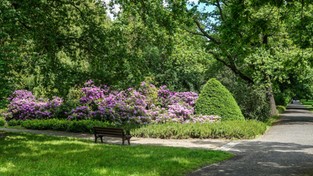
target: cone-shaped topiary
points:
(215, 99)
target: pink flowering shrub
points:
(24, 105)
(145, 105)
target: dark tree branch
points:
(195, 33)
(24, 25)
(233, 68)
(205, 33)
(218, 5)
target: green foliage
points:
(49, 47)
(281, 109)
(2, 119)
(226, 129)
(2, 122)
(71, 157)
(215, 99)
(251, 99)
(265, 43)
(60, 125)
(272, 120)
(70, 103)
(307, 102)
(14, 122)
(283, 98)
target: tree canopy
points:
(52, 46)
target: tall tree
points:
(250, 37)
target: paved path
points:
(285, 150)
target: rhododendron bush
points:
(144, 105)
(24, 105)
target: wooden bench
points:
(101, 132)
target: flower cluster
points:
(24, 105)
(147, 104)
(92, 92)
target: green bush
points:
(226, 129)
(280, 109)
(2, 122)
(252, 99)
(283, 98)
(14, 122)
(215, 99)
(62, 125)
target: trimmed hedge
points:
(60, 125)
(237, 129)
(215, 99)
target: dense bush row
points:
(145, 105)
(226, 129)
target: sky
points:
(202, 7)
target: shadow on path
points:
(285, 150)
(264, 159)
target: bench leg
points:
(101, 139)
(123, 141)
(96, 139)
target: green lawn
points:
(32, 155)
(308, 104)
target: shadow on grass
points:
(26, 154)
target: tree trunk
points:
(271, 100)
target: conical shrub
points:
(215, 99)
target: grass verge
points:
(308, 104)
(28, 155)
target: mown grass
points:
(308, 104)
(30, 155)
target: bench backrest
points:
(119, 132)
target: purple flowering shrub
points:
(80, 113)
(92, 92)
(117, 106)
(147, 104)
(24, 105)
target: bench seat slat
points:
(117, 129)
(108, 133)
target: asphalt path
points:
(285, 150)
